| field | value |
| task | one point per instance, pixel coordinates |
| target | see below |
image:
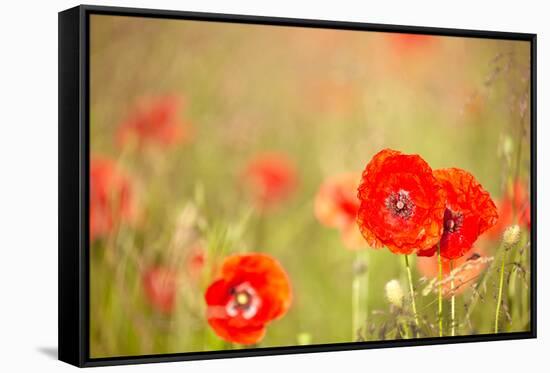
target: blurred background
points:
(305, 105)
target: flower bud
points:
(394, 293)
(511, 236)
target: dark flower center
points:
(244, 301)
(452, 221)
(400, 204)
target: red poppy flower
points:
(270, 178)
(336, 205)
(402, 204)
(111, 197)
(160, 285)
(427, 252)
(469, 212)
(466, 270)
(154, 121)
(516, 198)
(251, 291)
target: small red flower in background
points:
(469, 212)
(409, 43)
(467, 269)
(155, 121)
(402, 204)
(271, 178)
(160, 285)
(336, 205)
(516, 198)
(111, 197)
(251, 291)
(195, 261)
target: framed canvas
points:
(234, 186)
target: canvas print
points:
(259, 186)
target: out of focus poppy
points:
(469, 212)
(155, 121)
(250, 292)
(160, 285)
(270, 178)
(411, 43)
(111, 197)
(195, 261)
(515, 200)
(336, 205)
(402, 203)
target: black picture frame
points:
(73, 258)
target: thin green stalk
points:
(355, 295)
(364, 297)
(440, 291)
(514, 288)
(453, 329)
(500, 288)
(411, 290)
(406, 330)
(359, 292)
(525, 301)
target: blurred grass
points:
(330, 100)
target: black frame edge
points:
(275, 351)
(303, 22)
(70, 334)
(533, 141)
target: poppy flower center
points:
(452, 221)
(244, 301)
(400, 204)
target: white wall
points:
(28, 183)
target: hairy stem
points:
(355, 295)
(365, 286)
(453, 329)
(500, 288)
(359, 293)
(411, 290)
(440, 291)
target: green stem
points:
(500, 288)
(453, 329)
(359, 292)
(411, 290)
(440, 291)
(364, 297)
(405, 329)
(355, 295)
